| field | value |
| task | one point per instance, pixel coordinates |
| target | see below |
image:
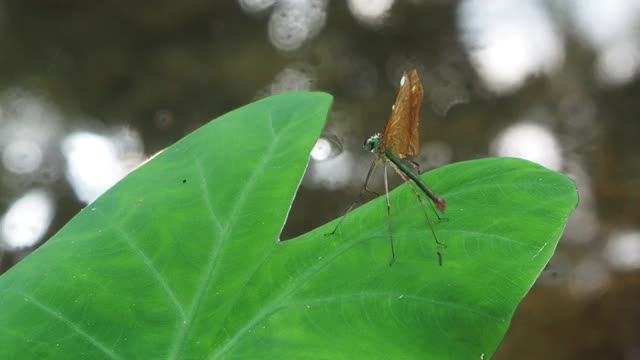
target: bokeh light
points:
(256, 6)
(96, 162)
(321, 150)
(326, 148)
(611, 29)
(623, 250)
(333, 173)
(529, 141)
(293, 22)
(509, 41)
(299, 77)
(29, 129)
(21, 156)
(370, 12)
(27, 220)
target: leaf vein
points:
(77, 329)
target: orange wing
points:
(401, 132)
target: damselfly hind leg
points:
(421, 202)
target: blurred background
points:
(89, 90)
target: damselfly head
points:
(371, 144)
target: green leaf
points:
(180, 260)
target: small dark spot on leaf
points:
(184, 181)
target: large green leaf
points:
(180, 260)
